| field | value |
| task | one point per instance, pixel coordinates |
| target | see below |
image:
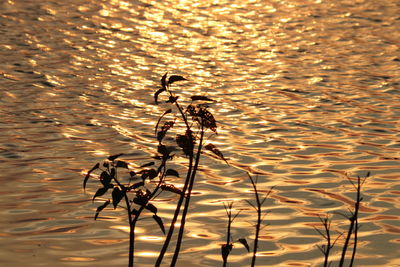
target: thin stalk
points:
(133, 221)
(259, 219)
(187, 200)
(327, 236)
(131, 226)
(226, 248)
(181, 198)
(357, 208)
(346, 243)
(175, 218)
(353, 225)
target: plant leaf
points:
(137, 185)
(171, 188)
(161, 134)
(88, 174)
(100, 208)
(171, 172)
(243, 241)
(216, 151)
(172, 99)
(151, 208)
(225, 250)
(122, 164)
(175, 78)
(159, 222)
(186, 142)
(159, 119)
(105, 179)
(200, 97)
(207, 119)
(100, 192)
(113, 157)
(164, 81)
(159, 91)
(117, 195)
(147, 164)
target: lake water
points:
(306, 93)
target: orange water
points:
(306, 91)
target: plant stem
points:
(131, 225)
(187, 201)
(353, 225)
(259, 219)
(357, 208)
(131, 232)
(225, 250)
(181, 198)
(175, 218)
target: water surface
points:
(306, 92)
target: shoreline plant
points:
(135, 188)
(148, 180)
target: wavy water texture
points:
(306, 92)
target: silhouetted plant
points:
(197, 121)
(228, 246)
(326, 234)
(353, 218)
(137, 195)
(260, 216)
(146, 181)
(352, 230)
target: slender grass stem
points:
(182, 196)
(187, 200)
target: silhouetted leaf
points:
(207, 119)
(117, 195)
(147, 164)
(100, 192)
(161, 134)
(112, 172)
(159, 222)
(105, 179)
(152, 174)
(243, 241)
(151, 208)
(163, 87)
(140, 200)
(186, 142)
(112, 158)
(225, 250)
(88, 174)
(122, 164)
(175, 78)
(171, 188)
(216, 151)
(159, 119)
(172, 99)
(137, 185)
(164, 81)
(200, 97)
(159, 91)
(100, 208)
(171, 172)
(192, 111)
(162, 149)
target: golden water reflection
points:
(307, 93)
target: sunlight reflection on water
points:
(306, 92)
